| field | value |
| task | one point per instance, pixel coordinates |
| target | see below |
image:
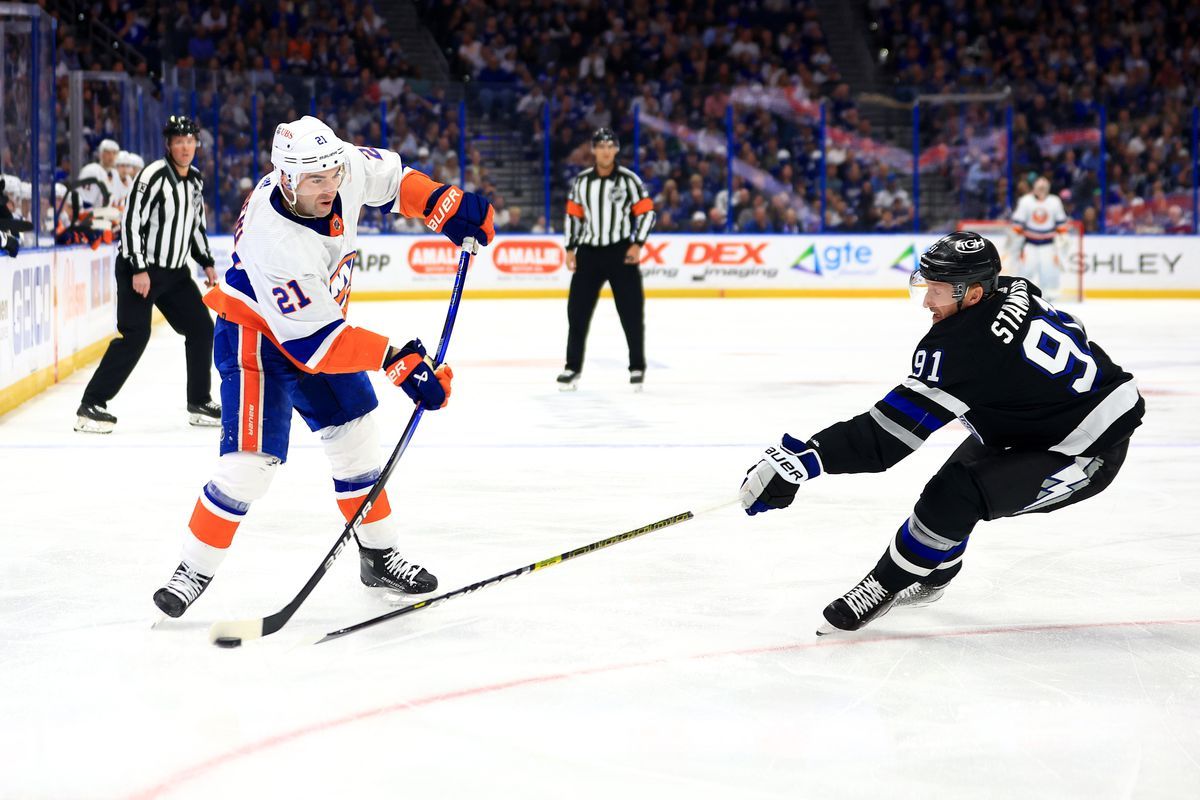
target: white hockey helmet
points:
(124, 159)
(108, 144)
(136, 161)
(306, 145)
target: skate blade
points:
(829, 630)
(567, 387)
(202, 421)
(85, 425)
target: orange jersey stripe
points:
(354, 350)
(211, 529)
(642, 206)
(250, 411)
(380, 510)
(574, 209)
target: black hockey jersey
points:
(1015, 370)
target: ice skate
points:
(857, 607)
(568, 380)
(204, 415)
(181, 591)
(637, 378)
(92, 418)
(390, 570)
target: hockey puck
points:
(228, 641)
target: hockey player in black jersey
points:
(1050, 416)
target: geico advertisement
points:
(799, 261)
(26, 315)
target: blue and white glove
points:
(773, 481)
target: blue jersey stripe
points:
(913, 411)
(302, 349)
(237, 278)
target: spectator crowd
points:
(685, 77)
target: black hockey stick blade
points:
(516, 573)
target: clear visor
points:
(312, 184)
(928, 294)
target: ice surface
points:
(1064, 662)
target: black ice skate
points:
(567, 380)
(204, 415)
(390, 570)
(92, 418)
(637, 378)
(857, 607)
(181, 591)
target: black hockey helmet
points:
(605, 135)
(962, 258)
(180, 125)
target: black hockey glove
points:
(773, 481)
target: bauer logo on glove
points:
(410, 369)
(773, 481)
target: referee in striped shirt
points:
(163, 225)
(609, 217)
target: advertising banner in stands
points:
(57, 309)
(26, 316)
(795, 264)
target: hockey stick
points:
(516, 573)
(233, 632)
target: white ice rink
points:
(1063, 663)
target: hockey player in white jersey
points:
(1038, 223)
(103, 169)
(282, 343)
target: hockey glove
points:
(11, 242)
(409, 369)
(773, 481)
(458, 214)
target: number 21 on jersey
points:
(933, 361)
(284, 299)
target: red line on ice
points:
(171, 782)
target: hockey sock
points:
(350, 493)
(216, 517)
(915, 552)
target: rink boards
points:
(686, 265)
(57, 307)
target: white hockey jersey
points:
(92, 197)
(1038, 220)
(290, 277)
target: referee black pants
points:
(178, 298)
(594, 266)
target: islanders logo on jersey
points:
(339, 281)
